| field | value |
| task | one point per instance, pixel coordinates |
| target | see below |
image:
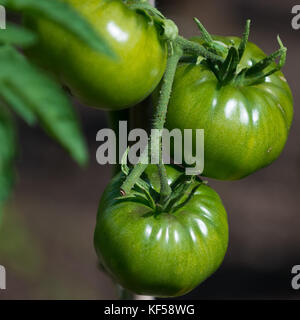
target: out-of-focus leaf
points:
(13, 99)
(6, 182)
(45, 99)
(19, 249)
(18, 36)
(7, 155)
(7, 179)
(7, 137)
(61, 13)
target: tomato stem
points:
(244, 41)
(165, 189)
(175, 53)
(197, 49)
(176, 48)
(208, 40)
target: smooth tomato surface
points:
(96, 79)
(166, 254)
(245, 127)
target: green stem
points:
(205, 34)
(244, 41)
(175, 54)
(165, 189)
(196, 49)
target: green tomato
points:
(96, 79)
(163, 254)
(245, 126)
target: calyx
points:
(228, 71)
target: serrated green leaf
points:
(45, 99)
(18, 36)
(62, 14)
(13, 99)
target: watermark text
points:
(296, 18)
(185, 146)
(2, 278)
(2, 18)
(296, 278)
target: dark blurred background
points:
(46, 238)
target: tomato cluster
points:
(235, 93)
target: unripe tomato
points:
(156, 253)
(245, 126)
(96, 79)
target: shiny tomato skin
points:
(245, 127)
(162, 255)
(96, 79)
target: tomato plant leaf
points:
(211, 45)
(243, 44)
(7, 178)
(16, 35)
(7, 155)
(44, 98)
(228, 68)
(137, 197)
(7, 137)
(62, 14)
(14, 100)
(141, 184)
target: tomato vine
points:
(225, 69)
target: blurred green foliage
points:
(30, 93)
(19, 251)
